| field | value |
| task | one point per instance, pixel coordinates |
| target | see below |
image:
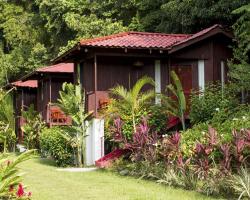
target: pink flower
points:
(20, 191)
(29, 194)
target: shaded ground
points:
(46, 183)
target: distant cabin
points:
(49, 82)
(25, 94)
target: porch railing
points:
(56, 117)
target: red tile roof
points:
(136, 40)
(29, 83)
(144, 40)
(58, 68)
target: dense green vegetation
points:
(34, 32)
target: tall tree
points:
(240, 64)
(189, 16)
(20, 49)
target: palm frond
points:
(145, 98)
(140, 84)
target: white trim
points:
(157, 81)
(201, 74)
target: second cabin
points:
(49, 82)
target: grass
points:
(46, 183)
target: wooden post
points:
(21, 119)
(48, 106)
(95, 84)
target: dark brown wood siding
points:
(23, 98)
(48, 90)
(221, 52)
(213, 50)
(114, 71)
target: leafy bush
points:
(237, 119)
(157, 118)
(7, 137)
(211, 100)
(53, 144)
(32, 127)
(7, 122)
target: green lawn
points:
(46, 183)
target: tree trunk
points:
(134, 125)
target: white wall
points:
(94, 141)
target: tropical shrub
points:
(143, 144)
(32, 128)
(72, 102)
(157, 118)
(53, 143)
(176, 105)
(10, 186)
(130, 105)
(7, 122)
(204, 104)
(237, 119)
(7, 137)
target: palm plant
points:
(72, 103)
(130, 102)
(241, 183)
(9, 176)
(176, 107)
(32, 128)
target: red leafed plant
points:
(203, 152)
(239, 145)
(225, 163)
(171, 147)
(116, 131)
(144, 143)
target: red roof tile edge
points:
(58, 68)
(29, 84)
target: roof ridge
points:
(101, 38)
(157, 33)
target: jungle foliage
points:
(34, 32)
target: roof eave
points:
(29, 76)
(66, 53)
(180, 46)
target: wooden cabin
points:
(24, 95)
(49, 81)
(125, 57)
